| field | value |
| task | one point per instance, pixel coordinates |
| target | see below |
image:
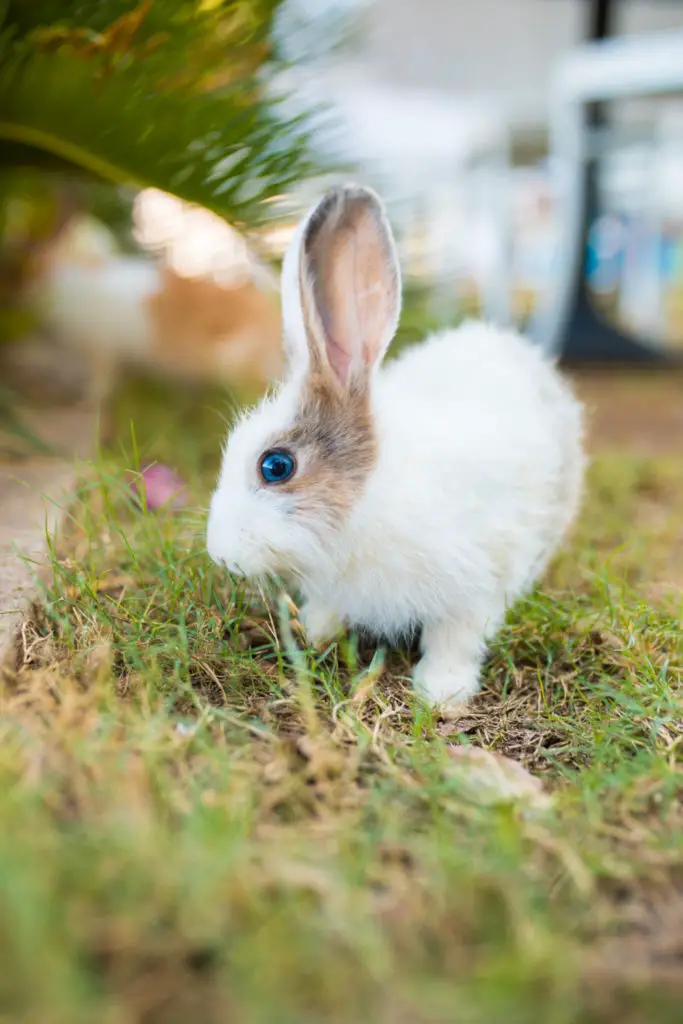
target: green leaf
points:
(168, 94)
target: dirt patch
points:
(645, 952)
(641, 412)
(632, 515)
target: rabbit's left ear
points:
(349, 284)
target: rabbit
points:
(423, 495)
(126, 310)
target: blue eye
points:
(277, 466)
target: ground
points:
(200, 821)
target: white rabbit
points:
(427, 494)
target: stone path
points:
(32, 493)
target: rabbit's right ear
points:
(294, 329)
(341, 288)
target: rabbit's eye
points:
(277, 466)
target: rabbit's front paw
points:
(320, 624)
(444, 686)
(448, 673)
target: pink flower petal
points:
(162, 486)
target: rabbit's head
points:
(294, 466)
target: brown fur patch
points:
(334, 433)
(203, 329)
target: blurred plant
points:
(165, 93)
(418, 317)
(31, 211)
(16, 438)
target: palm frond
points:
(163, 93)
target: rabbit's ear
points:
(349, 284)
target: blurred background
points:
(155, 157)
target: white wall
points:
(499, 50)
(433, 80)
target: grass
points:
(199, 821)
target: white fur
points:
(91, 297)
(103, 306)
(478, 478)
